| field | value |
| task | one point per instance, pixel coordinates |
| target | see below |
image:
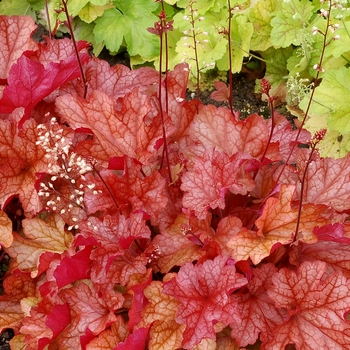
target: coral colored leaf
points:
(328, 182)
(88, 309)
(117, 230)
(15, 38)
(20, 285)
(332, 232)
(20, 160)
(6, 237)
(335, 254)
(107, 339)
(205, 295)
(165, 333)
(73, 268)
(316, 304)
(116, 81)
(161, 306)
(30, 81)
(257, 310)
(133, 129)
(40, 236)
(276, 225)
(135, 341)
(11, 314)
(58, 319)
(212, 176)
(130, 192)
(138, 303)
(174, 244)
(216, 127)
(222, 92)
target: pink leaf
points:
(216, 127)
(258, 313)
(135, 341)
(328, 182)
(222, 92)
(205, 295)
(133, 129)
(20, 160)
(316, 306)
(131, 193)
(214, 174)
(73, 268)
(15, 38)
(30, 81)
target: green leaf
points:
(276, 71)
(260, 17)
(289, 22)
(204, 6)
(330, 109)
(84, 31)
(241, 32)
(16, 7)
(129, 22)
(211, 46)
(74, 7)
(90, 12)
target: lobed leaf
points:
(15, 32)
(316, 304)
(205, 295)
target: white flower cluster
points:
(64, 165)
(298, 88)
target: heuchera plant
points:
(236, 234)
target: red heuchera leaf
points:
(58, 51)
(58, 319)
(133, 129)
(15, 38)
(20, 160)
(276, 225)
(19, 285)
(284, 136)
(40, 236)
(335, 254)
(73, 268)
(139, 301)
(222, 92)
(116, 81)
(205, 295)
(30, 81)
(116, 230)
(316, 305)
(256, 302)
(175, 247)
(130, 192)
(107, 339)
(135, 341)
(216, 127)
(328, 182)
(88, 309)
(332, 232)
(212, 176)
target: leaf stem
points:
(69, 25)
(230, 56)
